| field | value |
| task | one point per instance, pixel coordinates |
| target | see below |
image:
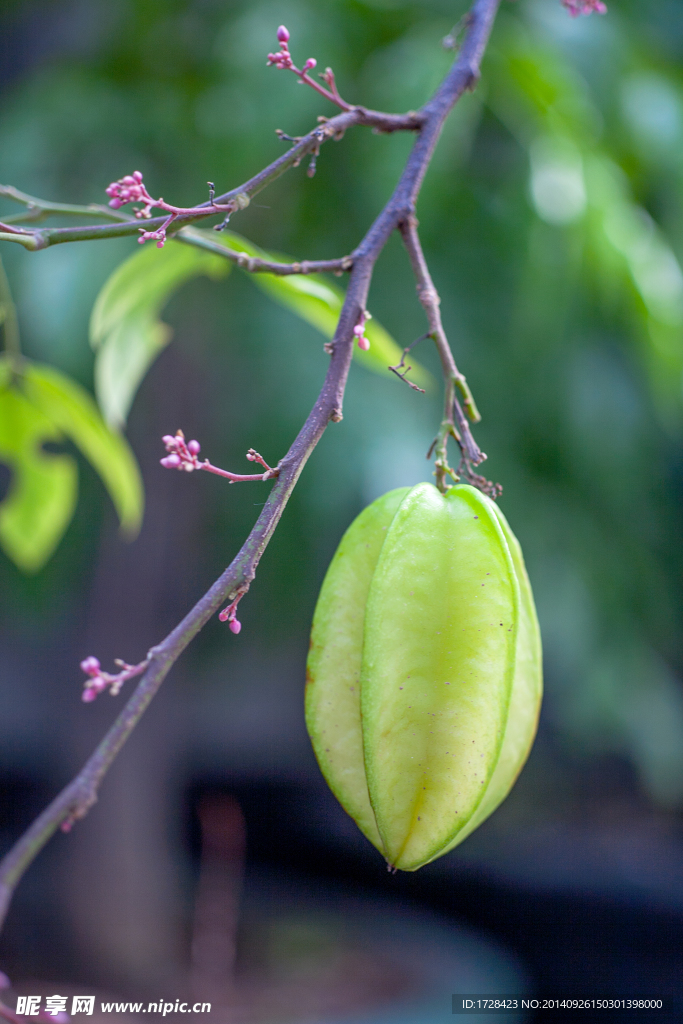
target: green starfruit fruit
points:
(424, 673)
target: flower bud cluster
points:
(130, 189)
(229, 615)
(359, 331)
(98, 680)
(96, 683)
(159, 236)
(182, 454)
(283, 58)
(577, 7)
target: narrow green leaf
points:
(42, 493)
(317, 301)
(125, 328)
(71, 409)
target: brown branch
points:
(75, 800)
(254, 265)
(453, 413)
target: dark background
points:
(536, 218)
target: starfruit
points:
(424, 672)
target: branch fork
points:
(401, 366)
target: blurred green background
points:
(552, 220)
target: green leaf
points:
(317, 301)
(125, 328)
(38, 405)
(71, 409)
(42, 492)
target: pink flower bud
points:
(359, 329)
(138, 176)
(282, 34)
(194, 447)
(235, 626)
(168, 440)
(310, 63)
(363, 344)
(90, 666)
(128, 179)
(171, 461)
(88, 695)
(115, 203)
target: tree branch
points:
(429, 297)
(258, 266)
(39, 209)
(74, 801)
(332, 128)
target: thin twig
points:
(406, 369)
(454, 423)
(39, 209)
(75, 800)
(255, 265)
